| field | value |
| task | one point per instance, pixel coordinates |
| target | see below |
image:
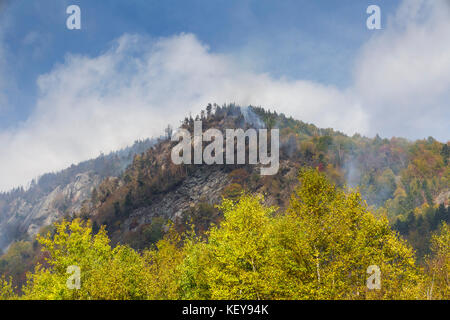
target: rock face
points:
(53, 195)
(23, 218)
(204, 185)
(207, 184)
(443, 198)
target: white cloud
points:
(402, 75)
(93, 104)
(135, 89)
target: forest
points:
(338, 205)
(319, 248)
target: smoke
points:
(252, 118)
(353, 173)
(401, 87)
(136, 88)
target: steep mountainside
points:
(55, 195)
(395, 176)
(137, 194)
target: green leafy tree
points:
(239, 250)
(105, 273)
(6, 289)
(439, 265)
(328, 239)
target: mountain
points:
(137, 193)
(395, 176)
(55, 195)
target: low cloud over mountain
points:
(99, 103)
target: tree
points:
(328, 240)
(6, 289)
(164, 262)
(208, 110)
(94, 196)
(445, 153)
(439, 265)
(105, 273)
(168, 131)
(239, 251)
(320, 248)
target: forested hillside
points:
(225, 231)
(318, 248)
(55, 195)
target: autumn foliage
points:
(318, 248)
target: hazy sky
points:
(66, 95)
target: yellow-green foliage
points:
(164, 263)
(329, 239)
(439, 265)
(6, 289)
(106, 272)
(320, 248)
(239, 251)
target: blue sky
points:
(135, 66)
(314, 40)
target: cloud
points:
(93, 104)
(404, 72)
(133, 90)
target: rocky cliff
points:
(55, 195)
(23, 218)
